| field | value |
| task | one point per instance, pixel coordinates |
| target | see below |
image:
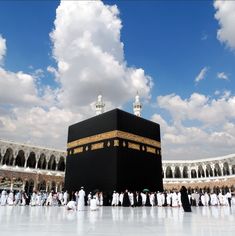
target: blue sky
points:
(171, 53)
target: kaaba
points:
(114, 151)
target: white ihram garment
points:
(93, 204)
(81, 200)
(4, 198)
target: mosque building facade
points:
(28, 167)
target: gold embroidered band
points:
(114, 134)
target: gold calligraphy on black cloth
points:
(98, 141)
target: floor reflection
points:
(117, 221)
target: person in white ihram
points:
(115, 199)
(71, 206)
(4, 197)
(81, 200)
(93, 204)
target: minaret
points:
(99, 106)
(137, 106)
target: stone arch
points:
(42, 185)
(31, 162)
(60, 187)
(201, 172)
(20, 159)
(224, 189)
(233, 169)
(169, 173)
(52, 163)
(42, 163)
(209, 171)
(216, 189)
(185, 172)
(5, 183)
(177, 173)
(53, 186)
(29, 186)
(206, 189)
(18, 184)
(217, 170)
(193, 173)
(61, 164)
(226, 169)
(8, 157)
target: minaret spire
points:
(137, 106)
(99, 106)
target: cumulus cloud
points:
(3, 49)
(226, 18)
(222, 75)
(89, 58)
(17, 89)
(37, 125)
(201, 75)
(199, 107)
(199, 127)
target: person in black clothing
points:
(135, 199)
(165, 200)
(126, 199)
(185, 200)
(147, 203)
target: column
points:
(23, 186)
(47, 186)
(204, 169)
(173, 171)
(189, 172)
(181, 171)
(26, 159)
(1, 160)
(164, 172)
(2, 154)
(213, 169)
(12, 181)
(221, 169)
(14, 161)
(196, 168)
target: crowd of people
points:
(77, 200)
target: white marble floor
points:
(111, 221)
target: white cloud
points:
(17, 89)
(36, 125)
(53, 71)
(90, 59)
(199, 107)
(200, 126)
(226, 18)
(3, 49)
(202, 74)
(90, 56)
(222, 75)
